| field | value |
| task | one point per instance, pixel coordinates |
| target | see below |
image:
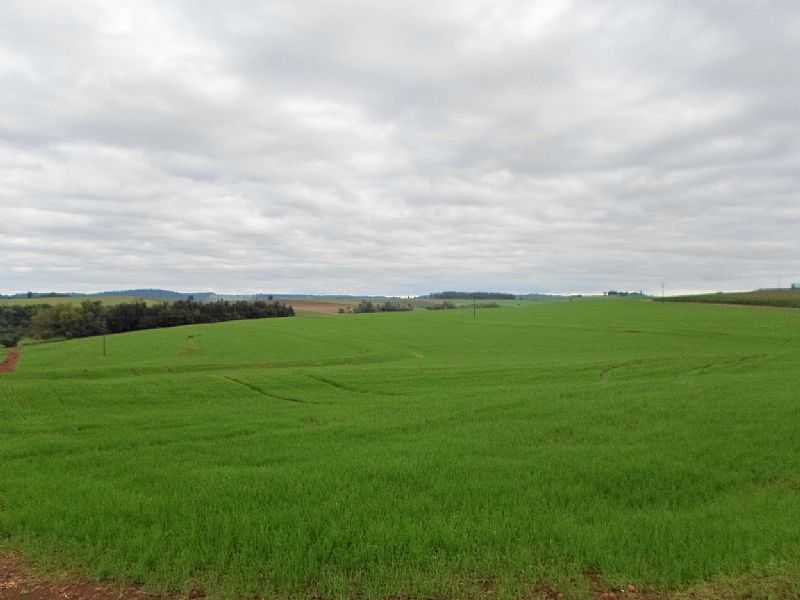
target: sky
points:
(399, 147)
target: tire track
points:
(347, 388)
(263, 392)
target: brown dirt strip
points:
(17, 582)
(328, 308)
(9, 365)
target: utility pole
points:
(104, 345)
(662, 289)
(474, 308)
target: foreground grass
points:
(423, 454)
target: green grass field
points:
(421, 454)
(785, 298)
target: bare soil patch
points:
(328, 308)
(18, 582)
(10, 363)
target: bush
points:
(395, 307)
(15, 323)
(365, 306)
(9, 339)
(442, 306)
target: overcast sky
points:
(399, 147)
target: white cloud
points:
(362, 147)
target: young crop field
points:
(786, 298)
(565, 447)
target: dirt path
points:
(17, 582)
(9, 365)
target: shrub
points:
(441, 306)
(15, 322)
(366, 306)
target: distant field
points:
(422, 303)
(67, 300)
(548, 446)
(319, 306)
(783, 298)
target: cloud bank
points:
(399, 148)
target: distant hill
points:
(450, 295)
(171, 295)
(157, 294)
(537, 296)
(32, 295)
(453, 295)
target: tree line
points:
(447, 305)
(15, 322)
(95, 318)
(366, 306)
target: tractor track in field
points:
(347, 388)
(336, 384)
(9, 365)
(700, 369)
(264, 392)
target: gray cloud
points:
(359, 147)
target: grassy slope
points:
(788, 298)
(413, 452)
